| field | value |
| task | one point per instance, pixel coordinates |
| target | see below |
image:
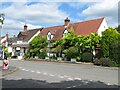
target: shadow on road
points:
(63, 85)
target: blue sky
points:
(46, 14)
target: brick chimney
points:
(25, 28)
(67, 21)
(7, 36)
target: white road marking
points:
(38, 72)
(51, 75)
(77, 78)
(91, 80)
(66, 76)
(109, 84)
(23, 69)
(45, 73)
(32, 71)
(26, 70)
(74, 86)
(60, 76)
(68, 87)
(70, 78)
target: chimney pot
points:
(25, 27)
(66, 21)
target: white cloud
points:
(106, 8)
(36, 14)
(13, 27)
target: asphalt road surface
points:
(37, 74)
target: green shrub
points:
(87, 57)
(72, 52)
(26, 55)
(97, 61)
(42, 55)
(115, 52)
(8, 54)
(106, 62)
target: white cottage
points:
(23, 40)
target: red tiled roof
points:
(57, 31)
(2, 37)
(80, 28)
(26, 36)
(88, 27)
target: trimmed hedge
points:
(103, 62)
(87, 57)
(115, 52)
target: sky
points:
(47, 13)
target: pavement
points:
(10, 70)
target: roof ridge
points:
(35, 29)
(76, 22)
(90, 20)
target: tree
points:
(36, 47)
(82, 43)
(109, 37)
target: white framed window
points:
(65, 32)
(49, 36)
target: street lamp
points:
(1, 23)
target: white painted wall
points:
(49, 33)
(9, 49)
(66, 31)
(18, 42)
(4, 39)
(102, 27)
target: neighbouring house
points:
(23, 40)
(7, 42)
(3, 40)
(57, 32)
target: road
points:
(37, 74)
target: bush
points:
(87, 57)
(8, 54)
(26, 55)
(42, 55)
(115, 52)
(72, 52)
(106, 62)
(97, 61)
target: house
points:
(7, 42)
(23, 40)
(57, 32)
(3, 40)
(80, 28)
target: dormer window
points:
(65, 32)
(49, 36)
